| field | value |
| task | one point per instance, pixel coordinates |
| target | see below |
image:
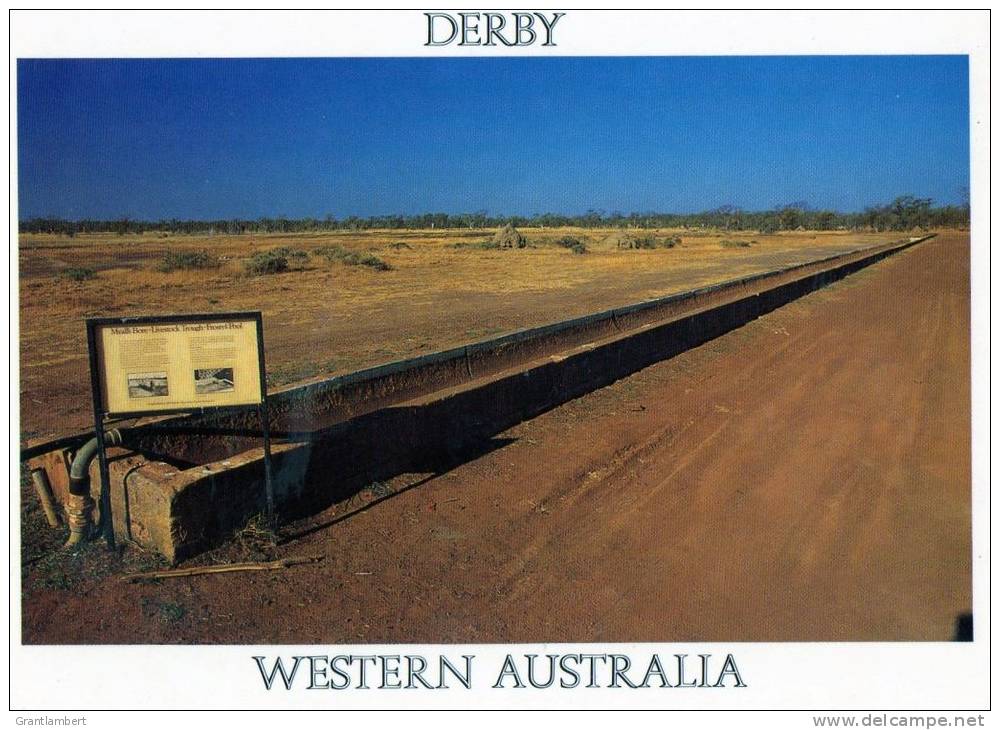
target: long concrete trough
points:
(182, 484)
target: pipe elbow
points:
(79, 471)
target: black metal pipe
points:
(79, 471)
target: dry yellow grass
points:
(329, 317)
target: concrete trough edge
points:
(203, 504)
(406, 377)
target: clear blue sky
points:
(200, 139)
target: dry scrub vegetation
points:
(338, 301)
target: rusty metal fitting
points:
(79, 517)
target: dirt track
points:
(805, 477)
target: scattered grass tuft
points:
(167, 611)
(256, 540)
(373, 492)
(78, 274)
(174, 260)
(573, 244)
(296, 256)
(171, 613)
(651, 242)
(337, 252)
(55, 578)
(266, 262)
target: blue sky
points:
(202, 139)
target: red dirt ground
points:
(803, 478)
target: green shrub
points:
(651, 242)
(352, 258)
(266, 262)
(173, 260)
(78, 274)
(573, 244)
(294, 255)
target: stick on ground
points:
(231, 568)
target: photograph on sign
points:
(147, 385)
(213, 380)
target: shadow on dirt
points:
(434, 468)
(448, 427)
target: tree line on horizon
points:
(904, 213)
